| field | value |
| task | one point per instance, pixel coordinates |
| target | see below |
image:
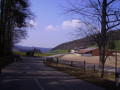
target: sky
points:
(51, 26)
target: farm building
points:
(94, 51)
(76, 49)
(72, 51)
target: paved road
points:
(32, 74)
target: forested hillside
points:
(84, 42)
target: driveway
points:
(32, 74)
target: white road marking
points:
(39, 85)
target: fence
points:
(79, 64)
(84, 65)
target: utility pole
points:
(116, 73)
(116, 62)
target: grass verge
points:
(108, 82)
(42, 55)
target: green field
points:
(36, 54)
(58, 51)
(42, 55)
(21, 53)
(50, 53)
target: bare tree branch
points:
(113, 26)
(95, 7)
(98, 16)
(111, 2)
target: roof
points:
(86, 50)
(91, 48)
(83, 51)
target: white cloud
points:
(50, 27)
(73, 24)
(32, 23)
(65, 25)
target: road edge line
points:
(39, 85)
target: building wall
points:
(96, 52)
(72, 51)
(87, 55)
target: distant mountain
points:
(24, 48)
(84, 42)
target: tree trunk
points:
(102, 70)
(102, 60)
(2, 26)
(103, 38)
(99, 59)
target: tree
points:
(14, 14)
(97, 18)
(111, 45)
(37, 51)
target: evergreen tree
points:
(13, 22)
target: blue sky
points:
(50, 27)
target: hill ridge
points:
(86, 41)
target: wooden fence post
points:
(0, 69)
(57, 62)
(84, 66)
(65, 62)
(45, 60)
(116, 72)
(71, 63)
(94, 67)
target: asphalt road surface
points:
(32, 74)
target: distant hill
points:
(84, 42)
(23, 48)
(81, 43)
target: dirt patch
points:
(92, 59)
